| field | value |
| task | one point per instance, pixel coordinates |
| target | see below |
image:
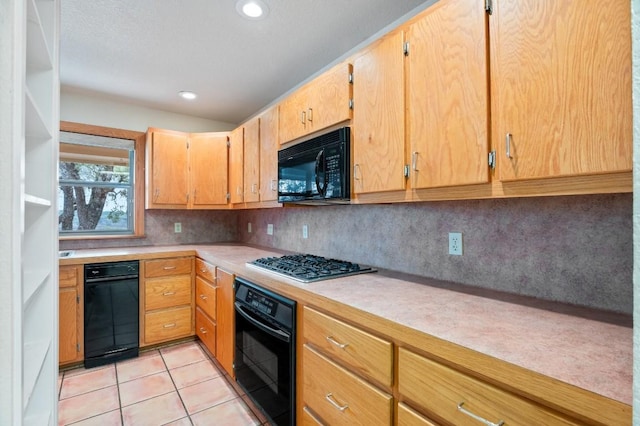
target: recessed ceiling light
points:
(252, 9)
(185, 94)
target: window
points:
(100, 183)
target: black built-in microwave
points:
(316, 171)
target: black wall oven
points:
(264, 362)
(316, 171)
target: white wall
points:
(635, 31)
(87, 108)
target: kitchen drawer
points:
(409, 417)
(340, 397)
(440, 389)
(206, 330)
(206, 297)
(309, 419)
(205, 270)
(167, 324)
(166, 292)
(364, 353)
(68, 276)
(165, 267)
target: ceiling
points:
(146, 51)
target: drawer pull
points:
(203, 297)
(169, 325)
(329, 397)
(330, 339)
(169, 293)
(203, 330)
(168, 268)
(478, 418)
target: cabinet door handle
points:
(476, 417)
(356, 167)
(274, 184)
(507, 145)
(203, 297)
(330, 339)
(414, 161)
(169, 293)
(169, 325)
(203, 330)
(329, 397)
(254, 188)
(168, 268)
(303, 117)
(310, 115)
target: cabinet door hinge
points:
(492, 160)
(77, 299)
(488, 6)
(350, 103)
(77, 347)
(405, 48)
(351, 78)
(228, 196)
(228, 143)
(406, 170)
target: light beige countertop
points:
(580, 347)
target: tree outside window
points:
(96, 176)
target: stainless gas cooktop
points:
(308, 268)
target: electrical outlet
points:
(270, 229)
(249, 227)
(177, 227)
(455, 243)
(305, 231)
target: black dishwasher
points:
(111, 312)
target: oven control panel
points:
(261, 303)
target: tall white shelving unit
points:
(29, 127)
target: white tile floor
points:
(174, 385)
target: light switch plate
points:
(270, 229)
(177, 227)
(305, 231)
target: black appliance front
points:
(111, 307)
(316, 170)
(264, 362)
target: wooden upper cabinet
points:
(379, 117)
(317, 105)
(186, 170)
(167, 173)
(236, 165)
(561, 87)
(208, 169)
(269, 155)
(251, 164)
(448, 95)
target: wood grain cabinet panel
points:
(167, 169)
(251, 163)
(362, 352)
(70, 315)
(206, 297)
(561, 88)
(164, 292)
(448, 100)
(206, 330)
(440, 390)
(379, 116)
(168, 324)
(236, 165)
(225, 320)
(409, 417)
(205, 270)
(340, 397)
(167, 267)
(269, 155)
(208, 168)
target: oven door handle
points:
(279, 334)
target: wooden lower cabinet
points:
(225, 320)
(409, 417)
(206, 301)
(339, 397)
(166, 300)
(70, 315)
(456, 397)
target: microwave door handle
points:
(321, 189)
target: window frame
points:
(138, 167)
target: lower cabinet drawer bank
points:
(206, 330)
(167, 324)
(338, 397)
(408, 417)
(452, 397)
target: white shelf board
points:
(38, 52)
(32, 200)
